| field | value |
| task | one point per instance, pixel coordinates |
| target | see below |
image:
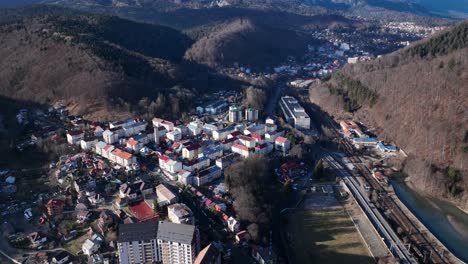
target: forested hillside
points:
(102, 65)
(416, 98)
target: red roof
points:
(107, 147)
(143, 211)
(281, 140)
(132, 142)
(256, 136)
(225, 217)
(122, 154)
(164, 158)
(242, 147)
(262, 146)
(208, 202)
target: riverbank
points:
(445, 224)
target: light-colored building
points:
(165, 196)
(92, 245)
(170, 165)
(88, 143)
(222, 133)
(122, 158)
(174, 135)
(138, 242)
(235, 114)
(282, 144)
(241, 150)
(177, 243)
(207, 175)
(294, 113)
(180, 213)
(74, 137)
(247, 141)
(110, 137)
(251, 114)
(191, 151)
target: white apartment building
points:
(177, 243)
(137, 242)
(294, 113)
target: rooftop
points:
(142, 231)
(179, 233)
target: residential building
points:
(264, 148)
(228, 143)
(195, 164)
(137, 242)
(213, 153)
(134, 128)
(235, 114)
(88, 143)
(251, 114)
(258, 129)
(294, 113)
(209, 129)
(92, 245)
(122, 158)
(271, 136)
(174, 135)
(110, 137)
(159, 132)
(98, 148)
(349, 126)
(207, 175)
(98, 130)
(221, 134)
(191, 151)
(61, 258)
(177, 243)
(165, 196)
(270, 128)
(209, 255)
(135, 190)
(134, 145)
(55, 207)
(184, 177)
(247, 141)
(259, 139)
(169, 165)
(107, 150)
(227, 160)
(179, 213)
(233, 224)
(157, 122)
(386, 148)
(74, 137)
(264, 255)
(282, 144)
(241, 150)
(195, 128)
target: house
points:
(165, 196)
(55, 207)
(264, 148)
(184, 177)
(227, 160)
(228, 143)
(170, 165)
(134, 145)
(74, 137)
(258, 129)
(241, 150)
(98, 130)
(61, 258)
(270, 128)
(82, 213)
(122, 123)
(282, 144)
(134, 128)
(180, 213)
(209, 255)
(88, 143)
(158, 122)
(98, 148)
(96, 199)
(209, 129)
(122, 158)
(207, 175)
(386, 148)
(110, 137)
(264, 255)
(213, 153)
(107, 150)
(195, 128)
(233, 224)
(259, 139)
(191, 151)
(37, 239)
(159, 132)
(221, 134)
(84, 183)
(92, 245)
(271, 136)
(135, 190)
(349, 126)
(247, 141)
(174, 135)
(195, 164)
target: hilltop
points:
(416, 98)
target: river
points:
(448, 223)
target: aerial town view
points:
(228, 131)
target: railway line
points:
(418, 242)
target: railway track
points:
(419, 242)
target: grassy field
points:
(325, 236)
